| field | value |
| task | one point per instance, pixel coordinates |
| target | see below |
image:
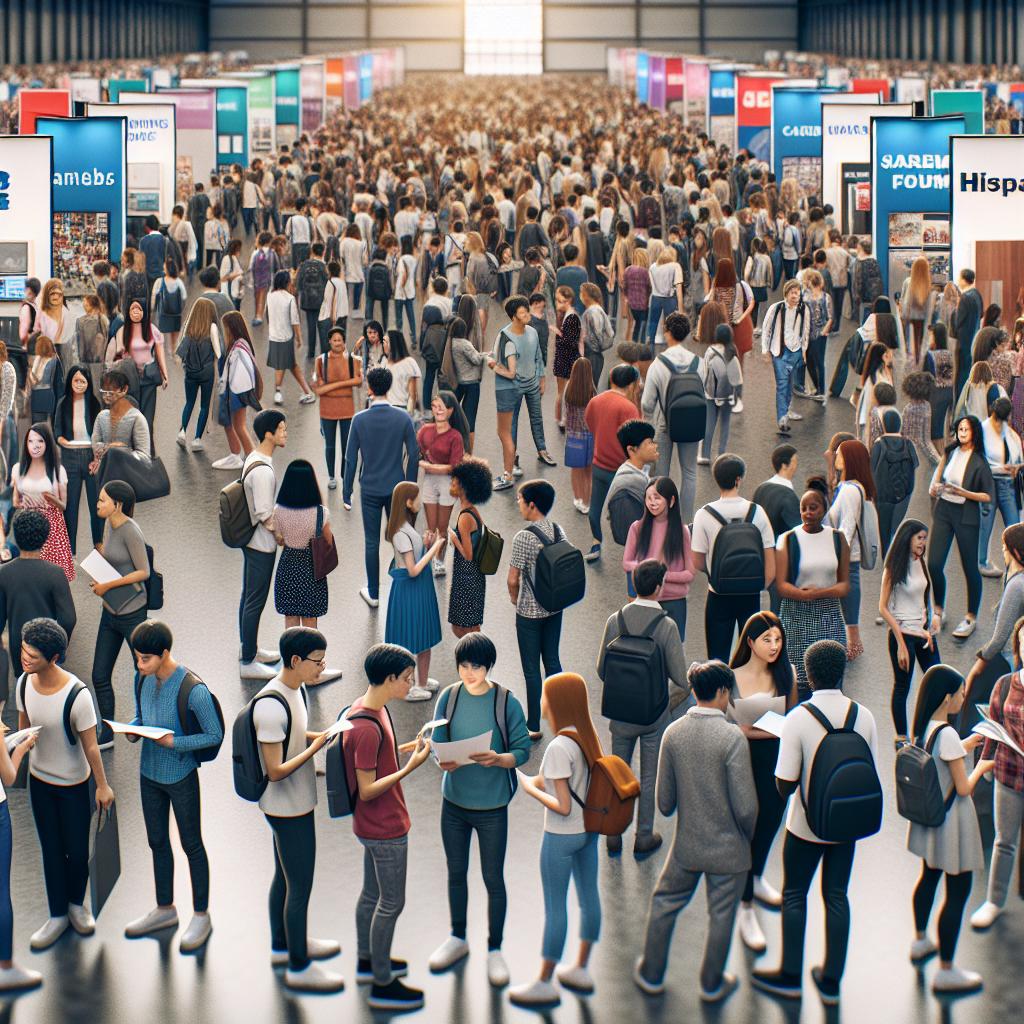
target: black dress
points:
(468, 588)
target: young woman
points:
(818, 304)
(978, 394)
(1017, 380)
(916, 306)
(353, 258)
(938, 361)
(371, 346)
(168, 300)
(916, 417)
(41, 482)
(661, 533)
(45, 380)
(413, 621)
(405, 286)
(285, 338)
(567, 848)
(636, 284)
(758, 274)
(442, 447)
(405, 373)
(198, 354)
(568, 333)
(765, 681)
(8, 422)
(119, 424)
(73, 422)
(53, 320)
(232, 277)
(92, 332)
(723, 382)
(336, 376)
(142, 344)
(240, 388)
(667, 287)
(464, 365)
(877, 368)
(334, 308)
(263, 265)
(953, 848)
(1004, 453)
(737, 299)
(470, 486)
(216, 235)
(579, 441)
(812, 576)
(962, 481)
(992, 345)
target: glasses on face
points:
(317, 661)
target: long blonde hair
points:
(569, 708)
(48, 288)
(920, 280)
(641, 258)
(201, 318)
(401, 514)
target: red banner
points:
(33, 103)
(872, 86)
(754, 100)
(673, 79)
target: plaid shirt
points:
(917, 427)
(1009, 714)
(525, 548)
(637, 283)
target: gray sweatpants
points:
(380, 902)
(687, 455)
(650, 744)
(1009, 810)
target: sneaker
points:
(196, 934)
(645, 845)
(546, 458)
(497, 969)
(81, 919)
(802, 392)
(517, 470)
(105, 737)
(230, 461)
(332, 484)
(181, 439)
(438, 568)
(820, 397)
(828, 989)
(307, 399)
(594, 553)
(15, 977)
(278, 398)
(536, 993)
(965, 629)
(254, 670)
(922, 949)
(327, 675)
(432, 685)
(584, 509)
(985, 916)
(256, 321)
(316, 949)
(394, 996)
(46, 936)
(449, 953)
(987, 569)
(783, 425)
(956, 980)
(649, 988)
(501, 483)
(267, 656)
(750, 930)
(738, 406)
(155, 921)
(614, 844)
(197, 445)
(766, 894)
(373, 602)
(364, 970)
(776, 983)
(726, 987)
(417, 693)
(879, 621)
(702, 461)
(577, 504)
(794, 415)
(313, 978)
(576, 979)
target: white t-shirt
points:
(845, 515)
(665, 277)
(335, 294)
(706, 527)
(53, 759)
(282, 315)
(402, 372)
(564, 759)
(801, 736)
(295, 795)
(352, 251)
(407, 290)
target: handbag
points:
(325, 552)
(579, 450)
(147, 476)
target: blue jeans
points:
(602, 482)
(249, 219)
(1006, 502)
(257, 573)
(408, 305)
(204, 390)
(785, 367)
(639, 323)
(76, 463)
(330, 429)
(563, 856)
(372, 505)
(851, 603)
(660, 304)
(6, 909)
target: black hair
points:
(633, 433)
(209, 277)
(728, 470)
(457, 419)
(379, 381)
(398, 348)
(825, 665)
(46, 636)
(267, 422)
(781, 668)
(299, 488)
(678, 326)
(1001, 408)
(51, 456)
(113, 380)
(939, 682)
(707, 678)
(570, 252)
(121, 493)
(300, 642)
(514, 303)
(476, 649)
(31, 529)
(782, 455)
(281, 281)
(64, 415)
(940, 334)
(385, 660)
(673, 549)
(897, 561)
(474, 477)
(374, 325)
(977, 439)
(539, 493)
(536, 297)
(152, 637)
(648, 576)
(885, 394)
(623, 375)
(317, 248)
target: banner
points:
(796, 134)
(365, 78)
(116, 86)
(286, 96)
(26, 211)
(89, 185)
(643, 72)
(656, 83)
(754, 113)
(262, 116)
(86, 90)
(196, 121)
(350, 81)
(232, 125)
(311, 95)
(698, 76)
(910, 195)
(33, 103)
(911, 89)
(675, 81)
(334, 83)
(968, 102)
(865, 86)
(722, 106)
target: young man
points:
(778, 497)
(539, 322)
(537, 630)
(704, 773)
(785, 332)
(299, 232)
(153, 245)
(310, 284)
(724, 614)
(260, 484)
(635, 619)
(867, 283)
(169, 778)
(825, 662)
(636, 438)
(286, 751)
(571, 274)
(209, 278)
(381, 823)
(598, 332)
(439, 292)
(386, 438)
(966, 324)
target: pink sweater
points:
(680, 571)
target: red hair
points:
(857, 466)
(725, 274)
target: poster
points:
(868, 86)
(722, 106)
(311, 95)
(350, 81)
(911, 89)
(675, 82)
(754, 113)
(855, 199)
(968, 102)
(334, 83)
(232, 118)
(365, 78)
(697, 74)
(286, 103)
(85, 90)
(79, 240)
(26, 203)
(262, 116)
(643, 80)
(35, 103)
(196, 123)
(656, 86)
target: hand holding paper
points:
(99, 568)
(459, 752)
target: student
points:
(119, 424)
(953, 848)
(704, 774)
(475, 797)
(442, 446)
(311, 281)
(723, 381)
(287, 747)
(139, 351)
(1005, 455)
(598, 333)
(467, 594)
(537, 630)
(336, 376)
(784, 338)
(263, 265)
(199, 352)
(59, 774)
(725, 614)
(567, 848)
(646, 617)
(636, 438)
(825, 662)
(285, 338)
(240, 388)
(73, 425)
(776, 495)
(169, 778)
(568, 330)
(579, 441)
(167, 300)
(894, 464)
(381, 823)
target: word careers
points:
(916, 163)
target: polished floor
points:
(108, 978)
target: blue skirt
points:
(413, 620)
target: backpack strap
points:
(188, 683)
(821, 717)
(751, 512)
(716, 515)
(69, 703)
(570, 734)
(22, 685)
(851, 717)
(929, 748)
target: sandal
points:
(854, 650)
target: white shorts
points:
(434, 489)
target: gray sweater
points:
(1011, 608)
(704, 773)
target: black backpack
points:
(857, 350)
(186, 717)
(683, 403)
(154, 584)
(635, 682)
(313, 278)
(894, 475)
(197, 357)
(246, 767)
(378, 281)
(343, 792)
(624, 509)
(843, 801)
(69, 703)
(432, 346)
(170, 301)
(919, 797)
(559, 578)
(737, 561)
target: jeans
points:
(76, 462)
(6, 908)
(602, 482)
(331, 429)
(381, 901)
(491, 826)
(288, 902)
(799, 863)
(596, 366)
(660, 304)
(785, 367)
(724, 615)
(114, 630)
(716, 414)
(790, 268)
(958, 889)
(538, 640)
(355, 293)
(639, 323)
(947, 524)
(468, 395)
(204, 391)
(249, 219)
(1006, 502)
(851, 603)
(890, 515)
(650, 743)
(257, 574)
(838, 298)
(686, 453)
(917, 647)
(676, 609)
(535, 411)
(372, 505)
(311, 317)
(157, 800)
(385, 306)
(1009, 812)
(409, 306)
(62, 815)
(562, 856)
(815, 364)
(675, 889)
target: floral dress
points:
(57, 548)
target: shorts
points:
(434, 490)
(506, 399)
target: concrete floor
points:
(109, 978)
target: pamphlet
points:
(99, 568)
(994, 731)
(148, 732)
(771, 721)
(459, 751)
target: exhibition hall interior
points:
(323, 699)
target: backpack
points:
(857, 350)
(737, 561)
(490, 285)
(488, 549)
(263, 268)
(721, 387)
(843, 801)
(624, 509)
(612, 791)
(313, 280)
(500, 719)
(69, 703)
(186, 717)
(559, 577)
(154, 584)
(246, 767)
(649, 213)
(870, 281)
(683, 403)
(894, 474)
(635, 683)
(605, 332)
(432, 344)
(343, 792)
(236, 525)
(197, 356)
(919, 796)
(378, 281)
(867, 529)
(170, 301)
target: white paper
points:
(435, 724)
(12, 739)
(459, 750)
(341, 725)
(99, 568)
(148, 732)
(771, 721)
(747, 710)
(994, 731)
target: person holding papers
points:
(475, 796)
(65, 755)
(170, 779)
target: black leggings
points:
(770, 807)
(917, 647)
(62, 815)
(958, 889)
(294, 859)
(947, 524)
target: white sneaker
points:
(985, 916)
(332, 484)
(449, 953)
(314, 979)
(15, 977)
(278, 398)
(229, 461)
(438, 567)
(738, 406)
(585, 509)
(794, 415)
(577, 504)
(965, 629)
(181, 439)
(46, 936)
(418, 693)
(373, 602)
(576, 979)
(267, 655)
(922, 949)
(316, 949)
(766, 894)
(156, 920)
(81, 920)
(433, 685)
(307, 399)
(649, 988)
(750, 930)
(955, 979)
(197, 445)
(196, 934)
(254, 670)
(497, 969)
(536, 993)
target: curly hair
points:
(918, 386)
(474, 477)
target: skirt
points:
(281, 354)
(413, 620)
(296, 590)
(955, 846)
(57, 548)
(467, 593)
(805, 623)
(743, 336)
(565, 356)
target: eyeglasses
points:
(317, 661)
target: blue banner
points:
(232, 125)
(286, 95)
(796, 135)
(365, 77)
(643, 76)
(722, 101)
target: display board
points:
(643, 76)
(656, 86)
(365, 78)
(232, 118)
(334, 84)
(968, 102)
(262, 116)
(86, 90)
(26, 211)
(722, 105)
(698, 76)
(911, 89)
(311, 95)
(196, 121)
(350, 81)
(754, 112)
(116, 86)
(866, 86)
(35, 103)
(286, 103)
(675, 82)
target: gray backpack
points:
(718, 385)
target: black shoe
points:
(364, 970)
(614, 846)
(395, 996)
(105, 737)
(827, 989)
(644, 846)
(776, 983)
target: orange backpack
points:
(611, 793)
